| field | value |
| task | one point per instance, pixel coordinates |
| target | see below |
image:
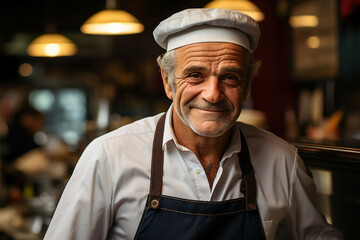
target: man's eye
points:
(195, 75)
(230, 79)
(195, 78)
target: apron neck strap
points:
(157, 165)
(248, 175)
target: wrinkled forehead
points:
(212, 53)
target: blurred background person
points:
(19, 140)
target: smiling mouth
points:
(212, 110)
(220, 107)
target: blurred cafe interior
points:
(54, 101)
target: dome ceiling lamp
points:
(51, 45)
(112, 21)
(244, 6)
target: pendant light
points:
(51, 45)
(244, 6)
(112, 22)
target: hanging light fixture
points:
(112, 22)
(51, 45)
(244, 6)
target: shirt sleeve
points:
(85, 208)
(303, 219)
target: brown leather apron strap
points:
(249, 181)
(157, 165)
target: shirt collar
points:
(235, 142)
(233, 147)
(169, 135)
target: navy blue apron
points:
(173, 218)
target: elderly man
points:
(194, 172)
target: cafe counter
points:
(335, 166)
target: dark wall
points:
(272, 90)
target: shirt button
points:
(197, 171)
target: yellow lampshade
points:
(112, 22)
(51, 45)
(244, 6)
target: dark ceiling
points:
(22, 21)
(68, 15)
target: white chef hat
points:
(207, 25)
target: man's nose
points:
(213, 91)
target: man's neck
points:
(208, 150)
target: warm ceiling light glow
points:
(112, 22)
(52, 49)
(25, 70)
(244, 6)
(313, 42)
(51, 45)
(304, 21)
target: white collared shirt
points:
(106, 195)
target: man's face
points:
(211, 83)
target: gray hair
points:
(167, 62)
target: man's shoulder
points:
(258, 137)
(271, 156)
(141, 127)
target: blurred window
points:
(65, 111)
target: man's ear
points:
(166, 83)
